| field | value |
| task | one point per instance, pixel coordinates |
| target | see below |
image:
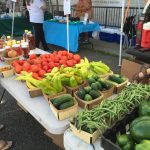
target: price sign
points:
(67, 7)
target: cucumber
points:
(66, 105)
(62, 99)
(116, 79)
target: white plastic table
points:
(72, 142)
(37, 107)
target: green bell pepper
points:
(144, 145)
(144, 108)
(125, 142)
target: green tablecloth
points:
(20, 25)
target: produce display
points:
(39, 66)
(63, 102)
(139, 134)
(88, 93)
(108, 112)
(115, 78)
(99, 84)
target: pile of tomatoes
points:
(45, 63)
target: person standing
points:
(36, 10)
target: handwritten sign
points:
(67, 7)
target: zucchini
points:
(66, 105)
(62, 99)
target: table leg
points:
(2, 101)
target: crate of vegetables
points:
(88, 97)
(71, 89)
(6, 71)
(48, 97)
(102, 85)
(85, 136)
(64, 106)
(138, 122)
(118, 81)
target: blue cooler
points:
(107, 34)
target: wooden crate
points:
(47, 97)
(66, 113)
(87, 137)
(88, 104)
(108, 93)
(72, 90)
(6, 71)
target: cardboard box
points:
(6, 71)
(88, 104)
(130, 68)
(66, 113)
(87, 137)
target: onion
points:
(141, 75)
(12, 53)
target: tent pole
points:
(68, 46)
(121, 36)
(13, 19)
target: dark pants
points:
(39, 35)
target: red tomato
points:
(56, 64)
(64, 53)
(32, 56)
(18, 69)
(64, 58)
(64, 65)
(36, 76)
(55, 52)
(51, 65)
(44, 63)
(70, 63)
(74, 61)
(15, 63)
(45, 68)
(37, 61)
(56, 59)
(70, 56)
(31, 61)
(41, 73)
(39, 65)
(62, 62)
(34, 68)
(49, 70)
(77, 57)
(26, 66)
(21, 62)
(60, 53)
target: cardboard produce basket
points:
(106, 75)
(108, 93)
(47, 97)
(66, 113)
(87, 137)
(119, 87)
(35, 92)
(6, 71)
(10, 60)
(72, 90)
(88, 104)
